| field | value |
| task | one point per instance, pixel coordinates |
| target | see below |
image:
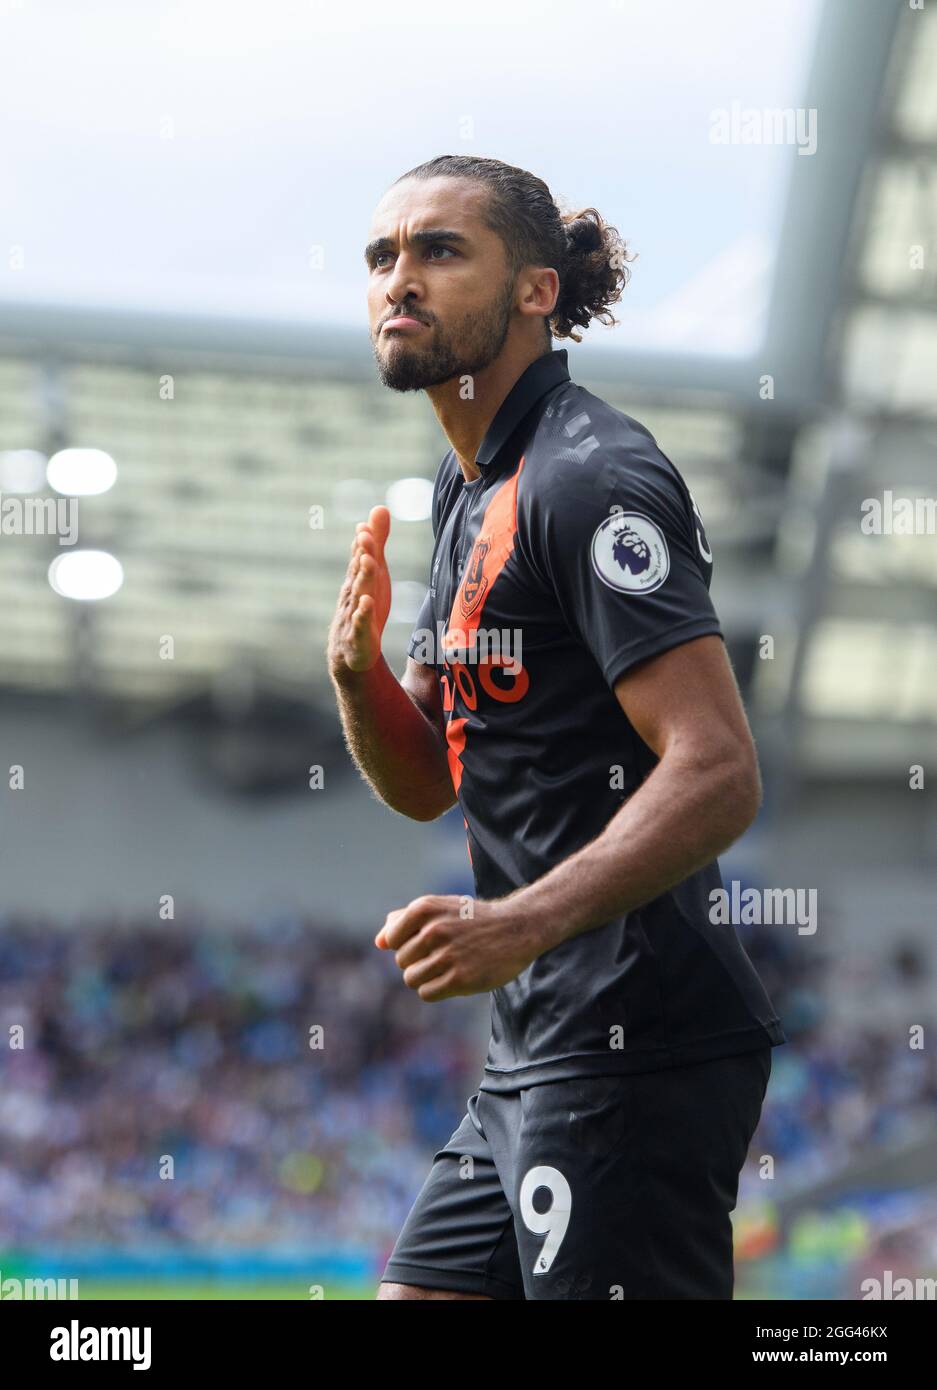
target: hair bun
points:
(595, 273)
(584, 234)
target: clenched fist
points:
(443, 953)
(364, 600)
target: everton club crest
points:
(475, 582)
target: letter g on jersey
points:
(629, 553)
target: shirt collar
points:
(532, 384)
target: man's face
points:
(454, 283)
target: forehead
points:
(424, 203)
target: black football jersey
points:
(576, 553)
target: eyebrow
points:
(385, 243)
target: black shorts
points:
(612, 1187)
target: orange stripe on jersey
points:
(492, 550)
(490, 554)
(455, 737)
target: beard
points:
(462, 350)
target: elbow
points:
(438, 809)
(426, 808)
(743, 789)
(423, 814)
(729, 782)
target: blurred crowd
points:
(823, 1212)
(849, 1081)
(278, 1087)
(275, 1087)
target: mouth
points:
(403, 323)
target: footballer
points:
(598, 752)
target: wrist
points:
(345, 677)
(529, 923)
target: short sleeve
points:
(622, 545)
(420, 648)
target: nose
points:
(403, 281)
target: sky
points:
(225, 158)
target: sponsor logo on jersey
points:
(629, 553)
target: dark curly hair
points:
(587, 254)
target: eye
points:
(380, 257)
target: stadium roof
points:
(188, 221)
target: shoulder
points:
(587, 459)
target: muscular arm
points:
(394, 729)
(394, 732)
(703, 793)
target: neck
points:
(466, 422)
